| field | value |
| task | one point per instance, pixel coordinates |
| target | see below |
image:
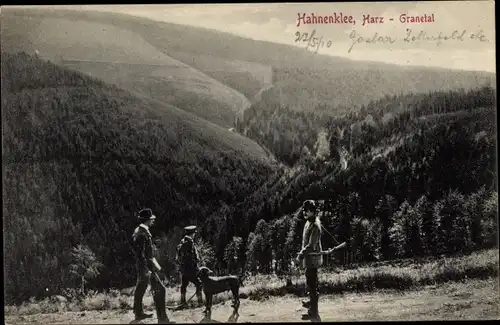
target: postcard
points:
(263, 162)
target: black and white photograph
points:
(249, 162)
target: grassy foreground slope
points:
(80, 157)
(452, 278)
(472, 300)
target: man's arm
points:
(177, 257)
(192, 249)
(140, 247)
(195, 253)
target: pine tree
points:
(405, 233)
(251, 253)
(423, 207)
(452, 231)
(231, 254)
(84, 265)
(384, 211)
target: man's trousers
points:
(312, 287)
(189, 276)
(159, 294)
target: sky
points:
(277, 22)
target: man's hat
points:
(309, 205)
(190, 229)
(145, 215)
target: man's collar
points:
(145, 227)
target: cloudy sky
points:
(277, 22)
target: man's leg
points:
(184, 284)
(312, 283)
(159, 297)
(199, 289)
(191, 277)
(307, 303)
(140, 290)
(313, 290)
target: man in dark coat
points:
(147, 267)
(187, 259)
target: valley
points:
(104, 114)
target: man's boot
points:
(143, 315)
(312, 313)
(161, 313)
(311, 305)
(307, 303)
(138, 309)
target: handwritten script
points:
(314, 42)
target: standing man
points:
(187, 259)
(311, 243)
(147, 267)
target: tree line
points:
(415, 183)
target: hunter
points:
(147, 268)
(187, 259)
(311, 243)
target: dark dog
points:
(214, 285)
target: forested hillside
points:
(82, 157)
(290, 134)
(421, 179)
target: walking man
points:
(311, 243)
(187, 259)
(147, 269)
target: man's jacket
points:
(143, 248)
(187, 255)
(311, 243)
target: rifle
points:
(328, 252)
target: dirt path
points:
(471, 300)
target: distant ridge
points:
(302, 79)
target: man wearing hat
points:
(311, 243)
(187, 259)
(147, 266)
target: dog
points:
(214, 285)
